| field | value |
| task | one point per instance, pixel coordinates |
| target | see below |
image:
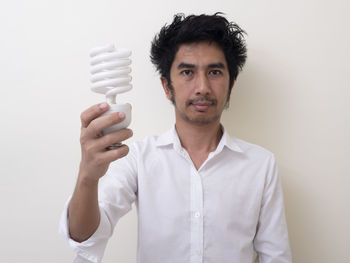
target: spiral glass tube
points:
(110, 69)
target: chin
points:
(202, 120)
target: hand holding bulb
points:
(110, 76)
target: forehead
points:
(199, 53)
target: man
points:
(202, 196)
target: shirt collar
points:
(171, 137)
(229, 142)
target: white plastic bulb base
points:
(126, 108)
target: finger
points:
(113, 138)
(93, 112)
(97, 125)
(116, 154)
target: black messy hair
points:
(213, 28)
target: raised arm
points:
(83, 211)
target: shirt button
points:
(197, 214)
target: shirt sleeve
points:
(271, 241)
(117, 191)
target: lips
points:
(202, 106)
(201, 103)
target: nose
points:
(202, 84)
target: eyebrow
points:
(216, 65)
(212, 65)
(185, 65)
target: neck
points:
(200, 138)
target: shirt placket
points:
(196, 217)
(196, 252)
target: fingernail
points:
(121, 114)
(102, 105)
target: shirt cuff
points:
(92, 249)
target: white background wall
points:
(291, 98)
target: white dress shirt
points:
(221, 213)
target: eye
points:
(215, 72)
(186, 72)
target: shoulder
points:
(251, 150)
(257, 159)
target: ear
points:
(166, 88)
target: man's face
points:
(200, 81)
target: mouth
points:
(202, 103)
(202, 106)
